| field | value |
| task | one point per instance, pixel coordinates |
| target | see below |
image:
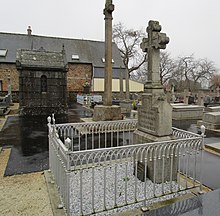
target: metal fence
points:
(102, 176)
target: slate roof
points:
(88, 51)
(35, 59)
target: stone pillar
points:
(109, 8)
(107, 112)
(121, 85)
(127, 85)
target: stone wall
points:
(34, 101)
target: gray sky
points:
(192, 25)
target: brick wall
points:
(5, 70)
(77, 75)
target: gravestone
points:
(173, 98)
(155, 113)
(201, 98)
(107, 111)
(186, 96)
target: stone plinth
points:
(159, 164)
(107, 113)
(154, 125)
(187, 112)
(143, 137)
(155, 115)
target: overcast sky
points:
(192, 25)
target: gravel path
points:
(22, 194)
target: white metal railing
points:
(103, 179)
(91, 135)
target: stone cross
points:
(152, 45)
(109, 8)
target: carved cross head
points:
(155, 39)
(109, 7)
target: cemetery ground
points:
(24, 194)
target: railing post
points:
(68, 143)
(49, 137)
(202, 149)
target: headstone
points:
(201, 98)
(155, 113)
(186, 96)
(217, 90)
(173, 98)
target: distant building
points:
(85, 61)
(42, 82)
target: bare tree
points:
(215, 80)
(167, 67)
(128, 42)
(191, 73)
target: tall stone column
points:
(107, 112)
(121, 85)
(109, 8)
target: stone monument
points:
(107, 111)
(155, 113)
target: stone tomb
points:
(187, 112)
(212, 109)
(211, 121)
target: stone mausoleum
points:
(42, 81)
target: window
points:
(43, 81)
(3, 52)
(75, 57)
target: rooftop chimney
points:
(29, 30)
